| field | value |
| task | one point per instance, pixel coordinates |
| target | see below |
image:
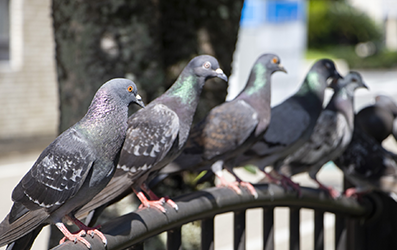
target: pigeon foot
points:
(287, 182)
(75, 237)
(91, 231)
(330, 190)
(250, 188)
(158, 203)
(232, 185)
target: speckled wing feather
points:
(58, 173)
(279, 135)
(226, 128)
(329, 133)
(149, 139)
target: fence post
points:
(207, 233)
(318, 230)
(239, 230)
(294, 220)
(174, 239)
(268, 228)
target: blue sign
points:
(256, 12)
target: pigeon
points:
(331, 135)
(379, 120)
(292, 123)
(72, 169)
(368, 166)
(232, 127)
(156, 135)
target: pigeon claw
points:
(76, 237)
(155, 204)
(171, 203)
(287, 182)
(94, 231)
(250, 188)
(232, 185)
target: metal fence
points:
(372, 222)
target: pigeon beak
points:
(364, 85)
(139, 101)
(220, 74)
(281, 68)
(337, 75)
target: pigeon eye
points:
(207, 65)
(130, 89)
(274, 60)
(354, 80)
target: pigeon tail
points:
(10, 232)
(26, 242)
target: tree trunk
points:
(147, 41)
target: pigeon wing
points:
(58, 173)
(227, 127)
(288, 123)
(151, 134)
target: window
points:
(4, 30)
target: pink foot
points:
(154, 197)
(232, 185)
(287, 182)
(153, 203)
(248, 186)
(354, 193)
(75, 237)
(91, 231)
(171, 203)
(330, 190)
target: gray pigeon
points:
(72, 169)
(379, 120)
(292, 122)
(368, 166)
(331, 135)
(156, 135)
(232, 127)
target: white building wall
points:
(28, 88)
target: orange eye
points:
(274, 60)
(207, 65)
(130, 89)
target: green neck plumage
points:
(312, 84)
(184, 88)
(260, 79)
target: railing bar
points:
(340, 232)
(294, 218)
(207, 233)
(318, 230)
(268, 228)
(174, 239)
(239, 230)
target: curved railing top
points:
(137, 226)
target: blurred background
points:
(54, 55)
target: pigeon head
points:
(207, 67)
(122, 90)
(353, 79)
(327, 68)
(271, 62)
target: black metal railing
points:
(134, 228)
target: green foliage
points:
(382, 59)
(338, 23)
